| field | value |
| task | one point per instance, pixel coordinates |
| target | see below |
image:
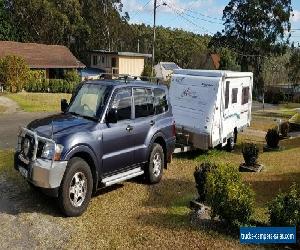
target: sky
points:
(199, 16)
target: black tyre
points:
(230, 144)
(76, 188)
(155, 168)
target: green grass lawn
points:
(39, 102)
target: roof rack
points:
(127, 78)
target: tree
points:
(14, 72)
(294, 66)
(255, 29)
(7, 31)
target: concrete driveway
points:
(9, 126)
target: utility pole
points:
(138, 47)
(154, 37)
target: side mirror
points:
(64, 105)
(112, 116)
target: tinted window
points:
(160, 101)
(227, 95)
(143, 102)
(245, 95)
(122, 102)
(234, 95)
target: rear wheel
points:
(230, 144)
(76, 188)
(155, 168)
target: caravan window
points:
(227, 95)
(245, 95)
(234, 95)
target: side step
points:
(108, 181)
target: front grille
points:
(40, 149)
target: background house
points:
(54, 59)
(164, 70)
(118, 63)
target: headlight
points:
(52, 151)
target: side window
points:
(122, 102)
(227, 95)
(160, 101)
(234, 95)
(143, 102)
(245, 95)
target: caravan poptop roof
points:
(212, 73)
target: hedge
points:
(50, 86)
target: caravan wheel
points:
(230, 144)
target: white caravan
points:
(210, 107)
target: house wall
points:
(104, 62)
(131, 65)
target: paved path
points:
(10, 124)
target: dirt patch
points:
(9, 106)
(21, 226)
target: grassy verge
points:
(39, 102)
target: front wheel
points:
(76, 188)
(155, 168)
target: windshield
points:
(90, 101)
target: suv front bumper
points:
(42, 173)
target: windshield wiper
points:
(93, 118)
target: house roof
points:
(216, 60)
(128, 54)
(41, 56)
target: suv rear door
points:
(144, 121)
(118, 146)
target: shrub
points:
(285, 208)
(250, 153)
(14, 73)
(200, 175)
(272, 138)
(274, 97)
(228, 196)
(284, 129)
(72, 76)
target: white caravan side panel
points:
(193, 101)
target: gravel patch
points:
(25, 226)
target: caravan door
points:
(232, 96)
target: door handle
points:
(129, 128)
(152, 123)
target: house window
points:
(227, 95)
(245, 95)
(234, 95)
(95, 60)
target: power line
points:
(188, 20)
(140, 11)
(206, 16)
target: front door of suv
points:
(118, 147)
(144, 121)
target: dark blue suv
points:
(110, 132)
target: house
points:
(213, 61)
(118, 63)
(53, 59)
(164, 70)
